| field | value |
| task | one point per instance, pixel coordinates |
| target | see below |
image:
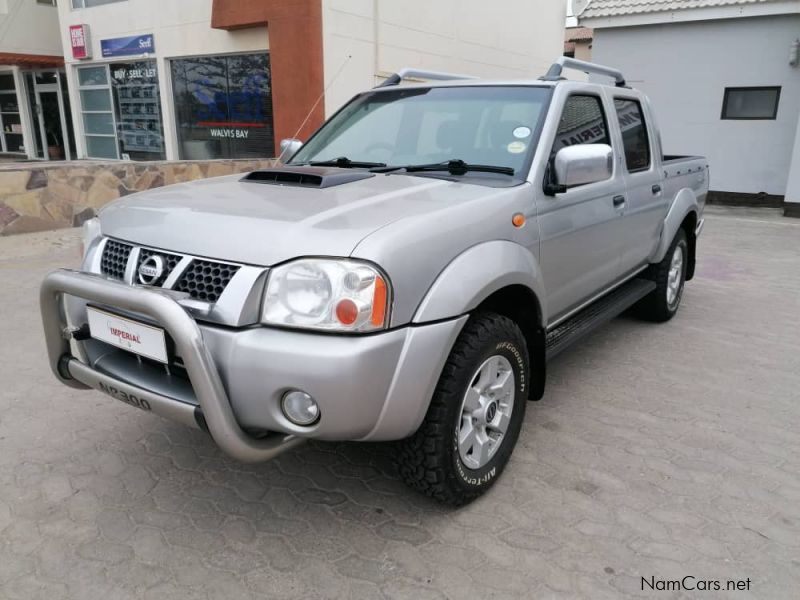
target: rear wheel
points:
(669, 276)
(475, 416)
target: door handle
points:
(656, 189)
(619, 200)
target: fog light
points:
(300, 408)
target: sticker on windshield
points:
(516, 147)
(522, 132)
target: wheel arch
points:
(498, 276)
(682, 214)
(520, 304)
(689, 226)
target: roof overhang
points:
(30, 60)
(688, 15)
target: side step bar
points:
(593, 316)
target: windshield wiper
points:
(345, 163)
(454, 167)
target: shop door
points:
(51, 118)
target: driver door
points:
(581, 229)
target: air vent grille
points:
(280, 177)
(115, 259)
(206, 280)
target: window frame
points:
(99, 87)
(602, 110)
(549, 173)
(82, 4)
(645, 125)
(757, 88)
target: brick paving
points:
(659, 450)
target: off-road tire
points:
(655, 307)
(429, 460)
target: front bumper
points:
(370, 387)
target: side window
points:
(634, 134)
(582, 122)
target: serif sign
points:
(79, 40)
(128, 46)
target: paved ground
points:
(659, 451)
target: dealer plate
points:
(127, 334)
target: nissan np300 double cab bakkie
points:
(405, 275)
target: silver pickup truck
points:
(405, 275)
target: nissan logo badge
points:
(151, 270)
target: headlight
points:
(327, 294)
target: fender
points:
(684, 203)
(475, 274)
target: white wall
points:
(509, 39)
(180, 28)
(685, 67)
(27, 27)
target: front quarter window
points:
(488, 125)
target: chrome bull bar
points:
(203, 374)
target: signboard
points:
(79, 40)
(128, 46)
(139, 118)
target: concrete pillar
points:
(792, 199)
(295, 58)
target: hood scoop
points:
(311, 177)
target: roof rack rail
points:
(396, 78)
(554, 72)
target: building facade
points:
(35, 116)
(724, 77)
(208, 79)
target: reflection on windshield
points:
(483, 125)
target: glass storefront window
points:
(101, 147)
(121, 111)
(92, 76)
(94, 100)
(10, 121)
(137, 106)
(101, 123)
(223, 106)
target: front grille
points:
(202, 279)
(170, 262)
(115, 259)
(206, 280)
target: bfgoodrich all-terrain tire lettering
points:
(475, 416)
(670, 275)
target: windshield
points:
(487, 125)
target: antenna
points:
(314, 106)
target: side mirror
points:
(289, 148)
(582, 164)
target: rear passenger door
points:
(580, 229)
(645, 201)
